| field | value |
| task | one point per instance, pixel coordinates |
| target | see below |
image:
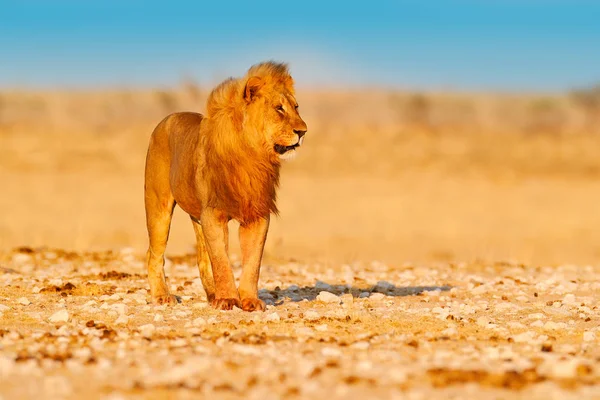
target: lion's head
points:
(263, 108)
(272, 107)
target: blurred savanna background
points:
(438, 131)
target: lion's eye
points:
(280, 109)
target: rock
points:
(322, 286)
(4, 308)
(363, 295)
(158, 318)
(311, 315)
(383, 286)
(122, 320)
(59, 316)
(589, 336)
(199, 321)
(328, 297)
(331, 352)
(569, 299)
(120, 308)
(524, 337)
(362, 345)
(147, 330)
(377, 296)
(273, 317)
(24, 301)
(347, 299)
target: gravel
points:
(378, 331)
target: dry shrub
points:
(167, 101)
(588, 101)
(545, 116)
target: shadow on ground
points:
(296, 293)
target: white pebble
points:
(120, 308)
(59, 316)
(328, 297)
(122, 320)
(377, 296)
(311, 315)
(274, 317)
(24, 301)
(331, 352)
(569, 298)
(147, 330)
(158, 318)
(589, 336)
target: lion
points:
(222, 166)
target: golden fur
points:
(218, 167)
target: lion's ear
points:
(252, 87)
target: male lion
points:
(219, 167)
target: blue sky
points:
(467, 45)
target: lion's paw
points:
(251, 304)
(225, 304)
(168, 299)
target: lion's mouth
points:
(281, 149)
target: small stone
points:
(158, 318)
(273, 317)
(122, 320)
(377, 296)
(24, 301)
(383, 286)
(199, 321)
(59, 316)
(311, 315)
(322, 286)
(569, 298)
(331, 352)
(4, 308)
(347, 299)
(363, 295)
(328, 297)
(589, 336)
(360, 345)
(524, 337)
(451, 331)
(147, 330)
(322, 328)
(120, 308)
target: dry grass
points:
(392, 176)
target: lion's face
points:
(275, 109)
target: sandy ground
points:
(406, 263)
(80, 325)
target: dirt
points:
(363, 330)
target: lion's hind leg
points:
(204, 265)
(158, 218)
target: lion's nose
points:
(300, 132)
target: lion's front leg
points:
(252, 241)
(216, 234)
